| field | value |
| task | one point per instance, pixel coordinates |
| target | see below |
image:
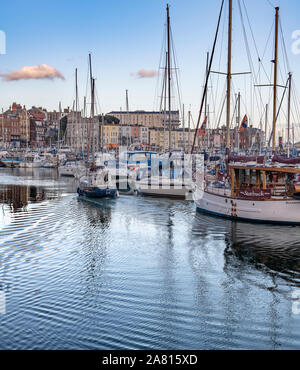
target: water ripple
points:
(138, 273)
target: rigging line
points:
(221, 107)
(255, 45)
(163, 84)
(218, 97)
(192, 120)
(215, 80)
(87, 83)
(265, 50)
(284, 47)
(213, 100)
(221, 113)
(178, 84)
(251, 65)
(273, 6)
(233, 114)
(208, 73)
(243, 101)
(162, 51)
(296, 103)
(279, 108)
(97, 101)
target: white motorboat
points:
(32, 160)
(68, 169)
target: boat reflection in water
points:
(98, 212)
(276, 248)
(272, 249)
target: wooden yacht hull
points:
(279, 211)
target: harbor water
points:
(139, 273)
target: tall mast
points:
(205, 104)
(169, 75)
(275, 78)
(90, 131)
(127, 117)
(92, 107)
(76, 88)
(58, 133)
(102, 124)
(3, 127)
(289, 113)
(206, 94)
(92, 86)
(189, 125)
(76, 108)
(84, 106)
(183, 127)
(93, 123)
(229, 75)
(26, 118)
(208, 128)
(127, 105)
(266, 124)
(239, 120)
(165, 98)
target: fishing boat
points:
(252, 188)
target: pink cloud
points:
(143, 73)
(33, 72)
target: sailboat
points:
(97, 182)
(169, 178)
(261, 192)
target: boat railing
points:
(218, 191)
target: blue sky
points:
(123, 36)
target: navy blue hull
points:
(97, 193)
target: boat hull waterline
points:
(95, 192)
(278, 211)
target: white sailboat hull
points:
(169, 189)
(284, 211)
(67, 171)
(31, 164)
